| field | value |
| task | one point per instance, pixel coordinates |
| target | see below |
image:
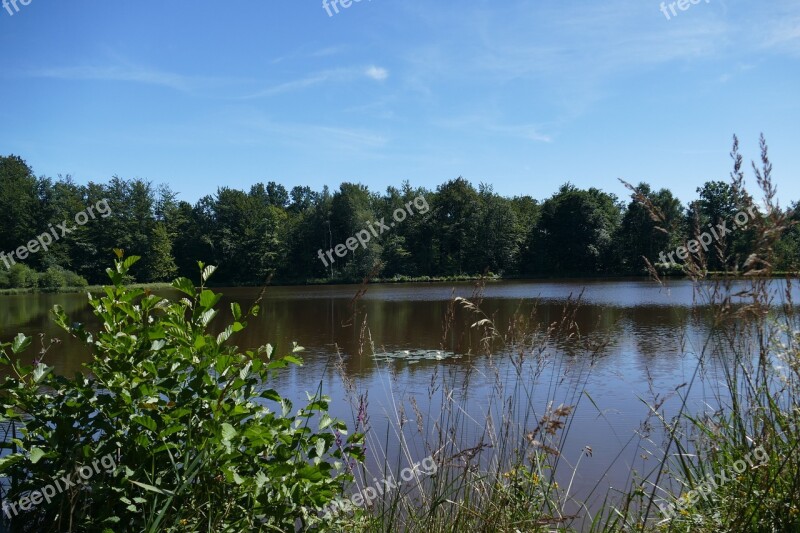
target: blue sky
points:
(522, 95)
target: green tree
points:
(352, 211)
(574, 235)
(19, 203)
(717, 205)
(652, 224)
(499, 234)
(455, 206)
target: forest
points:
(273, 234)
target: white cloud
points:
(377, 73)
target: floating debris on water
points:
(415, 356)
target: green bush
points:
(199, 440)
(74, 280)
(56, 277)
(22, 277)
(52, 278)
(5, 282)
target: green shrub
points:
(74, 280)
(52, 278)
(199, 440)
(5, 282)
(22, 277)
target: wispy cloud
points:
(339, 75)
(784, 35)
(485, 124)
(334, 75)
(329, 51)
(253, 127)
(377, 73)
(524, 131)
(740, 69)
(570, 56)
(127, 73)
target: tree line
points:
(270, 232)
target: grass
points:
(500, 473)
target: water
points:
(645, 344)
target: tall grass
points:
(501, 472)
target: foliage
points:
(268, 233)
(199, 440)
(52, 278)
(575, 232)
(20, 276)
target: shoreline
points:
(389, 281)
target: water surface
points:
(646, 339)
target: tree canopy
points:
(271, 233)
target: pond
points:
(402, 348)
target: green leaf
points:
(293, 360)
(206, 317)
(36, 454)
(222, 363)
(208, 299)
(325, 422)
(40, 372)
(129, 262)
(19, 343)
(199, 342)
(225, 335)
(320, 448)
(311, 473)
(271, 394)
(9, 460)
(208, 272)
(228, 432)
(236, 309)
(145, 421)
(184, 285)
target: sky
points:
(522, 95)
